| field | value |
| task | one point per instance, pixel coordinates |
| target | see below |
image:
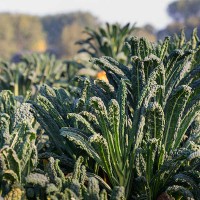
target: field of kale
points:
(132, 134)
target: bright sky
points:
(122, 11)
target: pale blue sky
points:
(122, 11)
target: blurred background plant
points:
(107, 41)
(30, 72)
(21, 33)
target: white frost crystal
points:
(23, 114)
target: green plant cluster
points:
(32, 71)
(136, 136)
(108, 41)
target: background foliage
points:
(57, 34)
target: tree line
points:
(20, 33)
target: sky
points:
(140, 12)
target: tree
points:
(7, 44)
(69, 35)
(186, 15)
(56, 28)
(183, 9)
(28, 33)
(19, 33)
